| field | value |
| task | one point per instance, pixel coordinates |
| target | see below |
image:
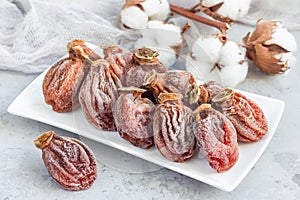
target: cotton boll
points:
(230, 9)
(233, 66)
(165, 38)
(283, 38)
(211, 3)
(234, 8)
(218, 59)
(231, 54)
(151, 7)
(205, 54)
(166, 34)
(133, 17)
(147, 42)
(201, 70)
(270, 46)
(135, 14)
(164, 11)
(233, 75)
(207, 49)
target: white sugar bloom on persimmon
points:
(270, 46)
(164, 38)
(225, 10)
(136, 13)
(217, 58)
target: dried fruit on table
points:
(121, 59)
(173, 128)
(145, 60)
(133, 117)
(213, 88)
(217, 137)
(246, 116)
(62, 82)
(201, 94)
(99, 93)
(70, 162)
(78, 49)
(174, 81)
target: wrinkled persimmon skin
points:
(212, 88)
(136, 75)
(246, 116)
(120, 59)
(173, 130)
(133, 117)
(174, 81)
(63, 80)
(217, 137)
(144, 61)
(69, 161)
(61, 84)
(98, 93)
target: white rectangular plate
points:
(30, 104)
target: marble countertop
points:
(276, 175)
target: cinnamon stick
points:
(223, 27)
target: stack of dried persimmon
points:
(135, 94)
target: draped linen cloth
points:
(34, 33)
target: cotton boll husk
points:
(284, 57)
(164, 11)
(133, 17)
(287, 57)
